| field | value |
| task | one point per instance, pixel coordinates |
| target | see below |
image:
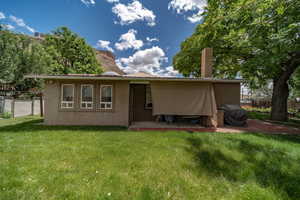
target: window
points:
(67, 96)
(106, 96)
(86, 96)
(148, 104)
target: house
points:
(120, 100)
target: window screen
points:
(87, 96)
(67, 96)
(106, 97)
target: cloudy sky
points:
(143, 34)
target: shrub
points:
(6, 115)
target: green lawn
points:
(38, 162)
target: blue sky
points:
(143, 34)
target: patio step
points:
(174, 129)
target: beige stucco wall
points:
(118, 116)
(227, 93)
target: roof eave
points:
(128, 78)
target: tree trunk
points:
(281, 88)
(279, 101)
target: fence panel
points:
(21, 107)
(2, 104)
(292, 104)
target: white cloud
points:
(195, 18)
(2, 16)
(168, 71)
(112, 1)
(104, 45)
(30, 29)
(148, 60)
(182, 6)
(149, 40)
(93, 2)
(133, 12)
(88, 2)
(8, 26)
(128, 41)
(20, 22)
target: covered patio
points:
(150, 102)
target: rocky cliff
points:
(107, 60)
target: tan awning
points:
(185, 98)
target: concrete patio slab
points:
(254, 126)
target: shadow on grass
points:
(36, 125)
(244, 160)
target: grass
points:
(6, 115)
(40, 162)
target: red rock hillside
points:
(107, 60)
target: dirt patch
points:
(261, 126)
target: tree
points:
(295, 84)
(260, 40)
(20, 55)
(8, 57)
(70, 53)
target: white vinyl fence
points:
(19, 107)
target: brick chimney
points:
(206, 63)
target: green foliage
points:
(295, 84)
(6, 115)
(62, 52)
(70, 53)
(254, 38)
(20, 55)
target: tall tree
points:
(20, 55)
(71, 54)
(260, 40)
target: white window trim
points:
(107, 103)
(86, 102)
(62, 97)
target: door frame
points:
(131, 98)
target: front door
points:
(139, 110)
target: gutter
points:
(131, 78)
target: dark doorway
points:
(140, 109)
